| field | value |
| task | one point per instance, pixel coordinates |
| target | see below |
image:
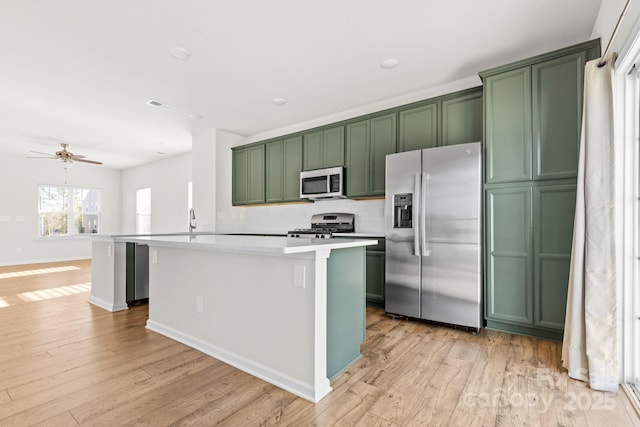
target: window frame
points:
(71, 210)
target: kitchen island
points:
(289, 311)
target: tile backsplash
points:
(278, 219)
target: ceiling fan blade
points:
(77, 156)
(87, 161)
(39, 152)
(33, 157)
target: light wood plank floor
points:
(64, 362)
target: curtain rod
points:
(615, 32)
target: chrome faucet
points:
(192, 220)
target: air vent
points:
(155, 103)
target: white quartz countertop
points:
(250, 244)
(361, 235)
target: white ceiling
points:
(80, 71)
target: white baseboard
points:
(306, 391)
(107, 306)
(43, 261)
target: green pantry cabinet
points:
(532, 116)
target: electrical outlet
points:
(298, 276)
(154, 256)
(199, 304)
(109, 251)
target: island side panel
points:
(243, 309)
(108, 275)
(346, 282)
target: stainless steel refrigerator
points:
(432, 227)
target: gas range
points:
(324, 225)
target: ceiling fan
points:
(65, 156)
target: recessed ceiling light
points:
(180, 53)
(279, 101)
(388, 64)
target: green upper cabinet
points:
(419, 127)
(239, 181)
(248, 183)
(283, 166)
(323, 149)
(275, 171)
(557, 116)
(462, 119)
(533, 116)
(508, 126)
(367, 144)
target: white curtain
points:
(590, 345)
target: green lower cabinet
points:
(375, 276)
(529, 232)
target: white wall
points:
(203, 170)
(168, 180)
(19, 179)
(607, 18)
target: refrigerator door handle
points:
(416, 214)
(424, 251)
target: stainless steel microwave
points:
(322, 184)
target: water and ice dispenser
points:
(402, 210)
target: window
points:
(628, 169)
(67, 211)
(143, 211)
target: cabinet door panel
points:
(357, 160)
(462, 119)
(383, 142)
(312, 151)
(255, 165)
(553, 222)
(509, 291)
(375, 278)
(275, 181)
(239, 177)
(557, 116)
(333, 148)
(419, 127)
(292, 168)
(508, 126)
